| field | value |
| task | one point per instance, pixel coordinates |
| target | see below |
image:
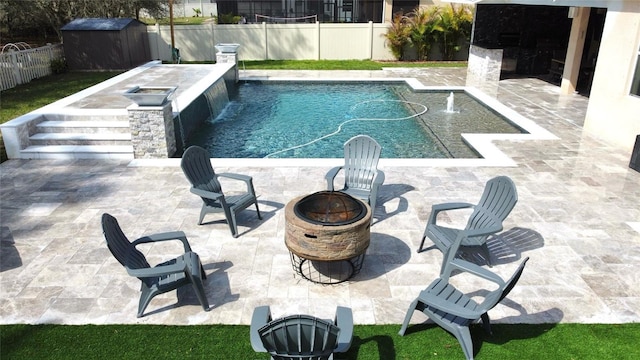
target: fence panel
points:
(264, 41)
(20, 67)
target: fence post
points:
(370, 40)
(317, 40)
(14, 64)
(266, 41)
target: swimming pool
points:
(314, 119)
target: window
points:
(635, 84)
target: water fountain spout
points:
(450, 103)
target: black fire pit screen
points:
(330, 208)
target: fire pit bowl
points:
(331, 208)
(329, 232)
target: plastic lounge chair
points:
(497, 201)
(455, 311)
(361, 175)
(196, 165)
(301, 336)
(167, 276)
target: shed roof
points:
(106, 24)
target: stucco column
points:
(574, 50)
(387, 15)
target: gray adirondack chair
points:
(196, 165)
(361, 175)
(497, 201)
(453, 310)
(301, 336)
(167, 276)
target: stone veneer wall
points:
(484, 66)
(152, 131)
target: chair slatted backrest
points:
(499, 294)
(196, 165)
(497, 201)
(361, 155)
(120, 246)
(299, 337)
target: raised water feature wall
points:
(208, 104)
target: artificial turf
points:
(424, 341)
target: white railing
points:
(21, 66)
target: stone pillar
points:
(152, 131)
(228, 57)
(484, 67)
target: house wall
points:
(613, 114)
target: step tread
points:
(85, 124)
(78, 148)
(81, 136)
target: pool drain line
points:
(339, 129)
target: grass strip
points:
(424, 341)
(27, 97)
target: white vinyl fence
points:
(302, 41)
(21, 66)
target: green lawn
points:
(520, 342)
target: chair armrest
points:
(331, 175)
(344, 320)
(235, 176)
(379, 178)
(165, 236)
(261, 316)
(437, 208)
(449, 307)
(206, 194)
(178, 267)
(246, 178)
(476, 270)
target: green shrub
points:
(59, 66)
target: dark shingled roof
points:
(111, 24)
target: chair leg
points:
(145, 299)
(195, 269)
(486, 323)
(203, 212)
(420, 248)
(464, 338)
(258, 211)
(407, 317)
(232, 224)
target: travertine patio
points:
(578, 219)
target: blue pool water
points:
(276, 120)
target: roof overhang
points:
(577, 3)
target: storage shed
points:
(105, 44)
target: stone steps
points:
(122, 152)
(80, 139)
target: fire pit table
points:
(327, 234)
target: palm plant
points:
(423, 23)
(397, 35)
(454, 24)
